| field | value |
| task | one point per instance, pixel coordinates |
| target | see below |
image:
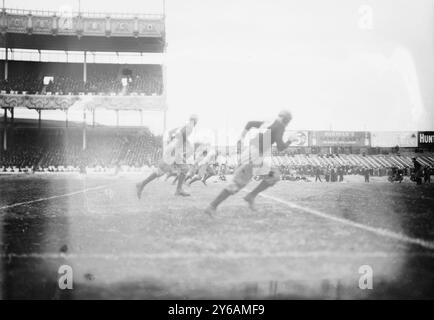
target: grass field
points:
(306, 240)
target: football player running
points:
(174, 157)
(251, 159)
(204, 168)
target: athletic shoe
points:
(210, 210)
(250, 202)
(182, 193)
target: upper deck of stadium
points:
(82, 31)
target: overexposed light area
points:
(338, 64)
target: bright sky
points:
(340, 64)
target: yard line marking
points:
(378, 231)
(214, 255)
(53, 197)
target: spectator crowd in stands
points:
(105, 148)
(68, 79)
(327, 173)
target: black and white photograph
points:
(203, 150)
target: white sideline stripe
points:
(52, 197)
(378, 231)
(211, 255)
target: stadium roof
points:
(86, 43)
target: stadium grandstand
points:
(56, 149)
(79, 63)
(66, 78)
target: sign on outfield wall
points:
(389, 139)
(339, 138)
(425, 139)
(298, 138)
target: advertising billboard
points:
(425, 139)
(339, 138)
(298, 138)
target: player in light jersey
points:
(194, 161)
(253, 157)
(174, 157)
(204, 168)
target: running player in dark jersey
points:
(244, 173)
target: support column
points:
(12, 116)
(141, 118)
(93, 117)
(66, 118)
(164, 93)
(6, 57)
(164, 74)
(11, 138)
(39, 118)
(85, 67)
(84, 130)
(5, 124)
(227, 145)
(164, 120)
(216, 143)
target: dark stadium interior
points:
(68, 78)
